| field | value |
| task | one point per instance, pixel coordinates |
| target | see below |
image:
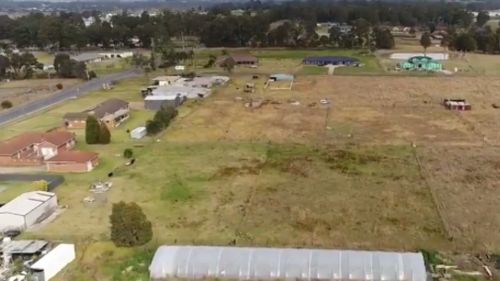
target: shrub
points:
(92, 74)
(41, 185)
(128, 153)
(129, 225)
(153, 127)
(59, 86)
(6, 104)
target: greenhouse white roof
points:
(201, 262)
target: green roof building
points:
(422, 63)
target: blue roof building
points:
(333, 60)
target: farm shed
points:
(239, 59)
(281, 77)
(26, 210)
(332, 60)
(233, 263)
(138, 133)
(157, 102)
(422, 63)
(52, 263)
(188, 92)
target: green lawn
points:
(11, 189)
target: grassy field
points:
(10, 190)
(23, 91)
(290, 61)
(110, 66)
(384, 158)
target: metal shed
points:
(52, 263)
(27, 209)
(233, 263)
(282, 77)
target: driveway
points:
(71, 93)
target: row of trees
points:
(161, 120)
(219, 28)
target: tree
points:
(465, 42)
(383, 39)
(139, 60)
(425, 41)
(228, 64)
(129, 225)
(104, 134)
(22, 65)
(165, 115)
(6, 104)
(128, 153)
(482, 18)
(60, 60)
(153, 127)
(4, 66)
(92, 130)
(69, 68)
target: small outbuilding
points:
(457, 104)
(422, 63)
(26, 210)
(138, 133)
(234, 263)
(52, 263)
(281, 77)
(331, 60)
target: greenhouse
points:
(233, 263)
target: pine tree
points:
(92, 130)
(129, 225)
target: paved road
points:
(71, 93)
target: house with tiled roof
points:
(111, 112)
(32, 148)
(52, 149)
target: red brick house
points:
(31, 149)
(52, 149)
(73, 162)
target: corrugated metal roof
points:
(26, 202)
(23, 247)
(200, 262)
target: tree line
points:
(219, 27)
(262, 24)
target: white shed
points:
(27, 209)
(138, 133)
(234, 263)
(52, 263)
